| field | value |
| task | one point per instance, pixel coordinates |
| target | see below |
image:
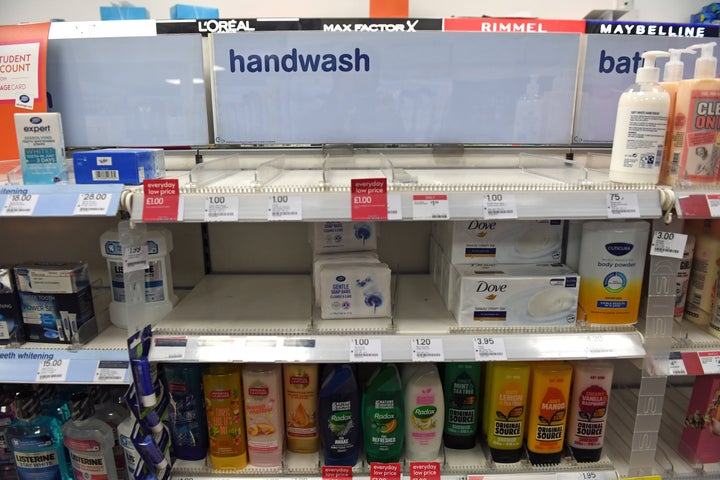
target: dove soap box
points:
(500, 241)
(514, 295)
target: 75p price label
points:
(622, 205)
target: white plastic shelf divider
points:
(21, 365)
(268, 318)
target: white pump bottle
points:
(640, 126)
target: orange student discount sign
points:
(23, 52)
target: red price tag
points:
(385, 471)
(339, 472)
(162, 200)
(369, 199)
(424, 471)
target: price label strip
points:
(284, 207)
(623, 205)
(92, 204)
(431, 207)
(489, 348)
(710, 362)
(713, 201)
(111, 371)
(365, 350)
(425, 349)
(54, 370)
(221, 208)
(499, 205)
(20, 205)
(668, 244)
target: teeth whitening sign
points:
(380, 87)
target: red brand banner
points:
(336, 472)
(424, 471)
(161, 201)
(368, 199)
(513, 25)
(23, 54)
(385, 471)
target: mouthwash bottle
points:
(36, 441)
(89, 440)
(113, 414)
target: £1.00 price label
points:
(283, 207)
(365, 349)
(221, 208)
(499, 205)
(368, 199)
(162, 200)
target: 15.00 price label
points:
(54, 370)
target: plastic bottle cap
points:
(674, 67)
(706, 65)
(81, 406)
(27, 404)
(649, 73)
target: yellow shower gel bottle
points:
(224, 410)
(506, 407)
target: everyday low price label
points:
(385, 471)
(424, 471)
(336, 472)
(368, 199)
(20, 205)
(668, 244)
(161, 200)
(431, 207)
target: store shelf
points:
(540, 186)
(268, 318)
(62, 200)
(694, 351)
(102, 360)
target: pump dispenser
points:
(640, 126)
(694, 154)
(672, 76)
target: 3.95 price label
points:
(489, 348)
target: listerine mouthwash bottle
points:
(89, 440)
(112, 413)
(36, 441)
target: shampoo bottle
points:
(591, 386)
(506, 399)
(301, 399)
(462, 401)
(383, 415)
(90, 441)
(672, 76)
(424, 413)
(264, 418)
(339, 416)
(188, 425)
(36, 441)
(640, 126)
(547, 417)
(223, 393)
(695, 137)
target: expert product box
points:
(129, 166)
(514, 295)
(500, 241)
(42, 147)
(56, 302)
(11, 324)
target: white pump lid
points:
(649, 73)
(674, 67)
(706, 65)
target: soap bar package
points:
(355, 290)
(321, 260)
(41, 146)
(700, 441)
(52, 277)
(500, 241)
(514, 295)
(129, 166)
(331, 237)
(11, 325)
